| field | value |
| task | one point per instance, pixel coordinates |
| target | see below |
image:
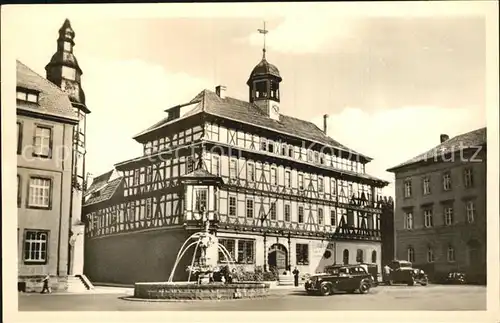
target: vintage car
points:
(455, 278)
(402, 272)
(372, 269)
(348, 278)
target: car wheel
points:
(364, 288)
(325, 289)
(424, 282)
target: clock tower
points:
(63, 70)
(264, 83)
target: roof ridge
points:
(445, 147)
(44, 79)
(248, 112)
(466, 133)
(110, 172)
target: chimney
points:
(443, 137)
(221, 91)
(325, 122)
(88, 181)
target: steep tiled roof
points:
(241, 111)
(467, 140)
(99, 182)
(105, 192)
(52, 101)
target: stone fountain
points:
(204, 266)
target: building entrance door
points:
(278, 257)
(474, 256)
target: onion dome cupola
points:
(63, 69)
(263, 83)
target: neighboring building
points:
(46, 125)
(280, 193)
(387, 231)
(440, 216)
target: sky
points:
(391, 84)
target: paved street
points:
(433, 297)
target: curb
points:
(113, 285)
(157, 300)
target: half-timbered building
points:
(279, 192)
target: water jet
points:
(202, 267)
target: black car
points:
(347, 278)
(403, 272)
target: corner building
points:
(278, 190)
(440, 213)
(51, 117)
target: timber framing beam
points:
(299, 198)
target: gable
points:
(52, 101)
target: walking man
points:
(46, 285)
(387, 272)
(296, 276)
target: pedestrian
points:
(296, 276)
(46, 285)
(387, 272)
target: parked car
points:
(372, 269)
(402, 272)
(348, 278)
(455, 278)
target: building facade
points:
(46, 125)
(279, 192)
(440, 216)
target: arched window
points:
(360, 257)
(411, 254)
(346, 257)
(450, 254)
(374, 256)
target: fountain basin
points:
(194, 291)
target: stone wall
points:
(141, 256)
(194, 291)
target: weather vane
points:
(264, 31)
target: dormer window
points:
(28, 96)
(174, 113)
(69, 73)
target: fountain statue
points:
(207, 262)
(209, 247)
(202, 266)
